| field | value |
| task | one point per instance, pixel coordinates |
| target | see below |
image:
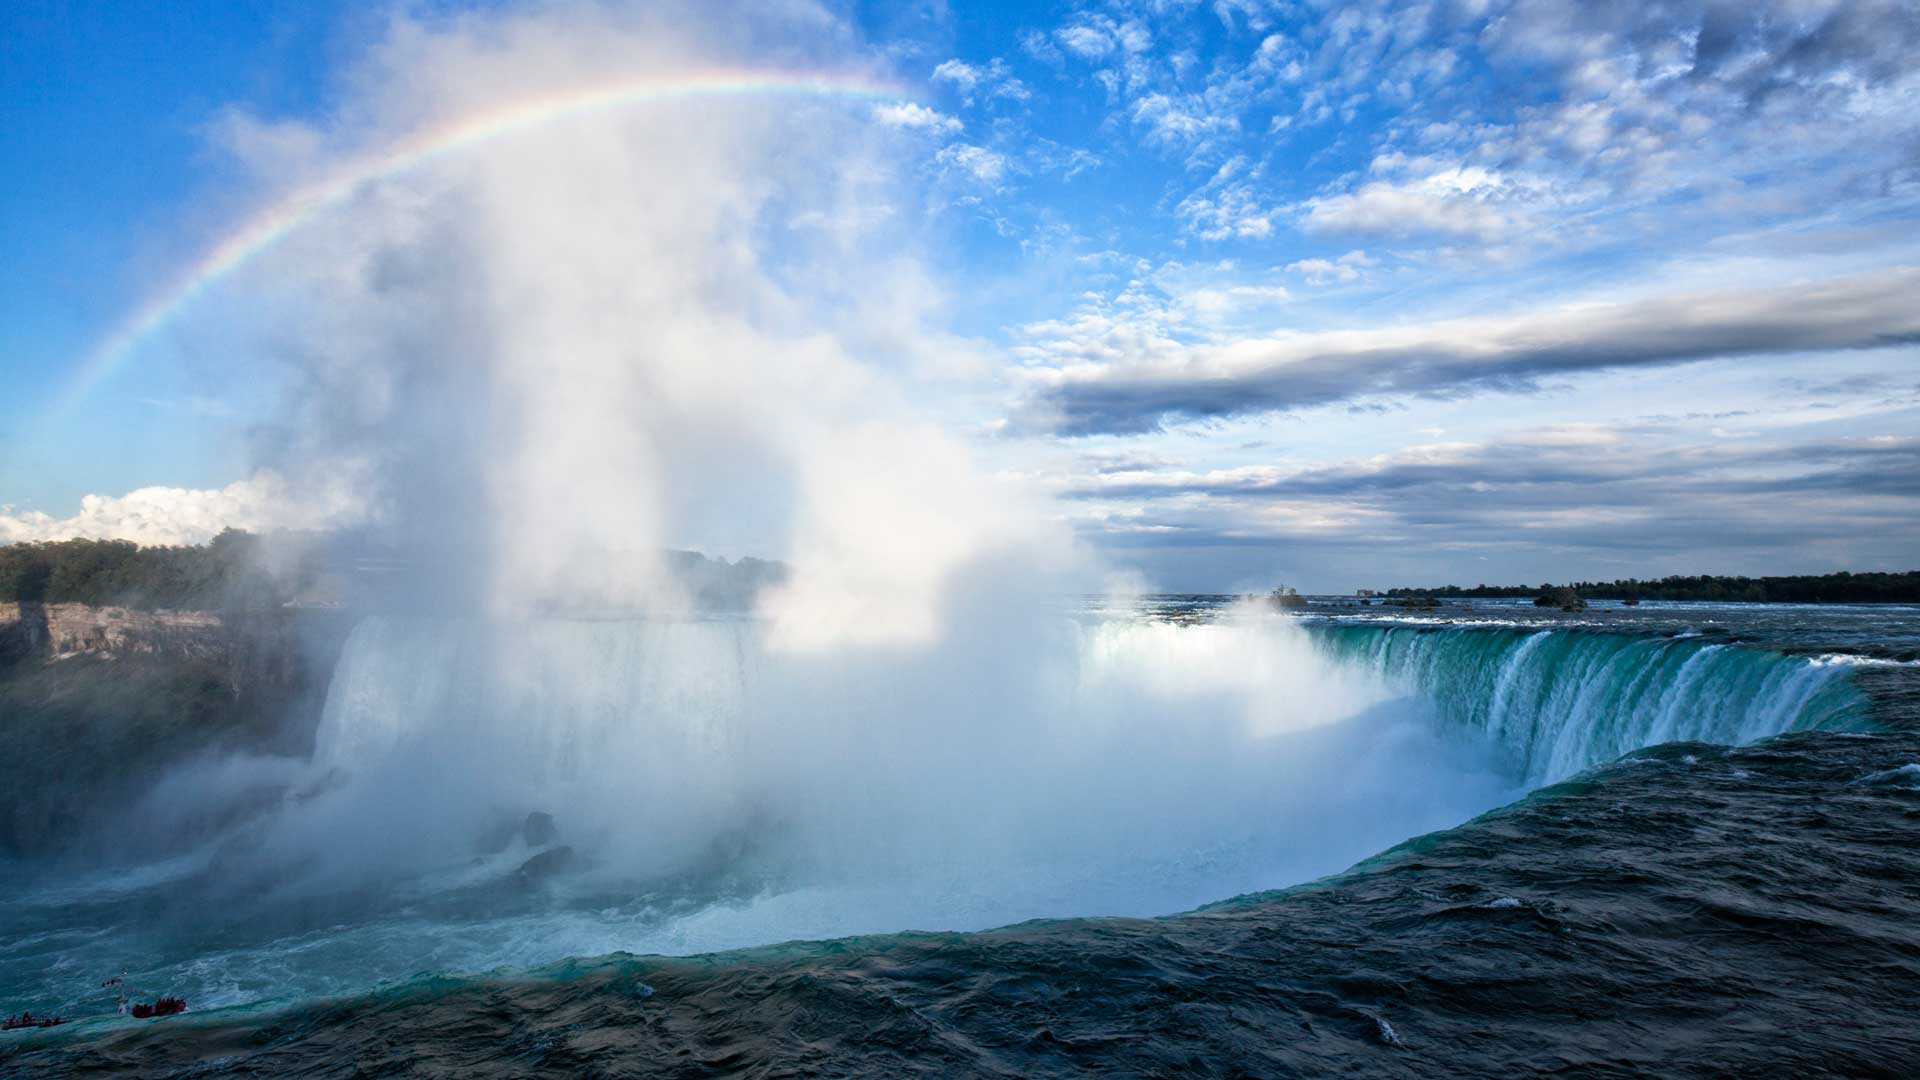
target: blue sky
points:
(1342, 294)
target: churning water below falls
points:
(486, 801)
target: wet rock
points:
(546, 865)
(539, 830)
(536, 830)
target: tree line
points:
(1838, 588)
(226, 573)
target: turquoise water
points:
(1556, 701)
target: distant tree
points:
(1286, 598)
(224, 573)
(24, 573)
(1838, 588)
(1566, 598)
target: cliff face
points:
(96, 703)
(66, 630)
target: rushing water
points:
(713, 793)
(1556, 701)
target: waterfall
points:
(1556, 701)
(1050, 766)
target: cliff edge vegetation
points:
(227, 573)
(1838, 588)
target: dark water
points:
(1689, 909)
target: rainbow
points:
(282, 218)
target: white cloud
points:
(1210, 304)
(1182, 121)
(1096, 37)
(1460, 201)
(1252, 12)
(1039, 46)
(1045, 155)
(1086, 41)
(909, 116)
(1012, 90)
(1133, 36)
(989, 81)
(962, 75)
(1232, 211)
(173, 516)
(1346, 268)
(983, 165)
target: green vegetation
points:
(1286, 599)
(1564, 598)
(1412, 599)
(223, 574)
(1840, 588)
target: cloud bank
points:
(1106, 381)
(1523, 508)
(174, 516)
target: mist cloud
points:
(629, 331)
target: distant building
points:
(1366, 592)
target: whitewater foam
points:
(1907, 776)
(1065, 767)
(1856, 660)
